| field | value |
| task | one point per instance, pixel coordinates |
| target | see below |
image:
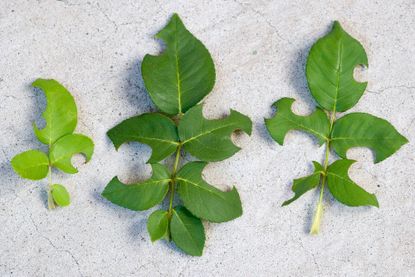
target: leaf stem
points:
(51, 203)
(315, 227)
(173, 180)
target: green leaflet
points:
(158, 225)
(204, 200)
(32, 164)
(61, 119)
(60, 195)
(329, 70)
(60, 114)
(154, 129)
(187, 232)
(285, 120)
(64, 148)
(177, 80)
(140, 196)
(183, 74)
(330, 65)
(344, 189)
(209, 140)
(304, 184)
(365, 130)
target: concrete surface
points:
(259, 47)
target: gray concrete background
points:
(259, 47)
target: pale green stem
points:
(51, 203)
(173, 181)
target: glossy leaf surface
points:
(183, 74)
(204, 200)
(32, 164)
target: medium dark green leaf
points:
(344, 189)
(365, 130)
(60, 114)
(187, 232)
(330, 66)
(60, 195)
(158, 225)
(285, 120)
(32, 164)
(204, 200)
(183, 74)
(154, 129)
(140, 196)
(302, 185)
(64, 148)
(209, 140)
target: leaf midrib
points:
(207, 132)
(201, 187)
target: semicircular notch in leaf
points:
(183, 74)
(32, 164)
(64, 148)
(154, 129)
(344, 189)
(60, 195)
(209, 140)
(140, 196)
(329, 70)
(365, 130)
(60, 114)
(285, 120)
(187, 231)
(204, 200)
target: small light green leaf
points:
(329, 70)
(60, 114)
(140, 196)
(285, 120)
(209, 140)
(158, 225)
(183, 74)
(32, 164)
(344, 189)
(154, 129)
(60, 195)
(64, 148)
(187, 232)
(365, 130)
(204, 200)
(302, 185)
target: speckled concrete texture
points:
(259, 47)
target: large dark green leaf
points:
(365, 130)
(304, 184)
(209, 140)
(330, 67)
(32, 164)
(60, 114)
(63, 149)
(204, 200)
(183, 74)
(344, 189)
(154, 129)
(285, 120)
(187, 232)
(140, 196)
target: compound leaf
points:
(32, 164)
(365, 130)
(154, 129)
(158, 225)
(183, 74)
(64, 148)
(304, 184)
(187, 231)
(329, 70)
(204, 200)
(209, 140)
(285, 120)
(60, 114)
(140, 196)
(344, 189)
(60, 195)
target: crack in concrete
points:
(388, 88)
